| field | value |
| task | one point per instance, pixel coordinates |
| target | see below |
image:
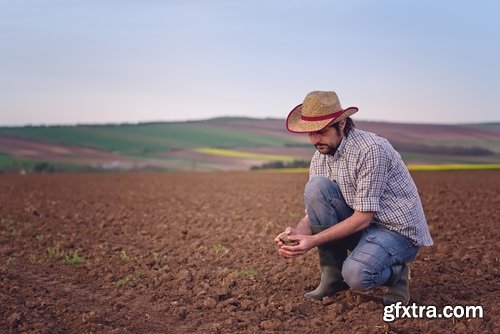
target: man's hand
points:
(306, 242)
(278, 240)
(294, 235)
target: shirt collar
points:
(341, 150)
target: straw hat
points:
(318, 110)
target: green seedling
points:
(221, 250)
(8, 262)
(73, 260)
(131, 281)
(157, 280)
(156, 256)
(33, 260)
(14, 231)
(124, 256)
(7, 227)
(248, 272)
(55, 251)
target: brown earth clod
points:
(286, 241)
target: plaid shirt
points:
(372, 177)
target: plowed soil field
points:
(194, 253)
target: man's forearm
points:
(356, 222)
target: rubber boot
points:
(399, 285)
(331, 257)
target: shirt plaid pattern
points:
(372, 177)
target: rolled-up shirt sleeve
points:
(371, 179)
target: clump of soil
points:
(286, 241)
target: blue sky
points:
(98, 61)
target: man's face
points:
(328, 139)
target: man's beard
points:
(326, 149)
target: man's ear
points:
(342, 125)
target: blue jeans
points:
(374, 250)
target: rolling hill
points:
(222, 144)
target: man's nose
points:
(314, 137)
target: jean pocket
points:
(395, 244)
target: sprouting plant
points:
(221, 250)
(73, 260)
(8, 262)
(126, 281)
(124, 256)
(33, 260)
(247, 272)
(156, 256)
(55, 251)
(14, 231)
(157, 280)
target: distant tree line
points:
(43, 167)
(283, 164)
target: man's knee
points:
(357, 275)
(319, 187)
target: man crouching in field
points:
(360, 197)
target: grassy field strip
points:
(143, 138)
(9, 162)
(243, 155)
(411, 168)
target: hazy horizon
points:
(109, 61)
(228, 117)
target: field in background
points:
(224, 144)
